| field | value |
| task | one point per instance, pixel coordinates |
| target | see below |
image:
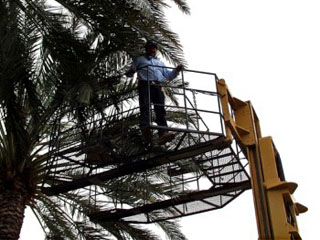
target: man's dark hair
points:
(151, 44)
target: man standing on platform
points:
(152, 70)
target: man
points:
(152, 70)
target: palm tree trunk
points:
(12, 206)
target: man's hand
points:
(179, 68)
(131, 71)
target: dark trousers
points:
(157, 98)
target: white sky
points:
(268, 52)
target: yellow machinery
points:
(275, 207)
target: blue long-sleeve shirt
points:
(156, 70)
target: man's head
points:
(151, 48)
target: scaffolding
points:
(218, 152)
(200, 169)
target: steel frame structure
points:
(204, 171)
(201, 169)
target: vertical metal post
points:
(185, 100)
(219, 105)
(149, 98)
(195, 106)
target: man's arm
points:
(170, 75)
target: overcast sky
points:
(268, 52)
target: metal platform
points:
(200, 170)
(204, 182)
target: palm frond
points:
(182, 4)
(67, 61)
(171, 229)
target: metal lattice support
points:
(200, 170)
(205, 182)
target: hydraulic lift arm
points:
(275, 207)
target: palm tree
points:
(55, 57)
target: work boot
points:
(166, 137)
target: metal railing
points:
(188, 102)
